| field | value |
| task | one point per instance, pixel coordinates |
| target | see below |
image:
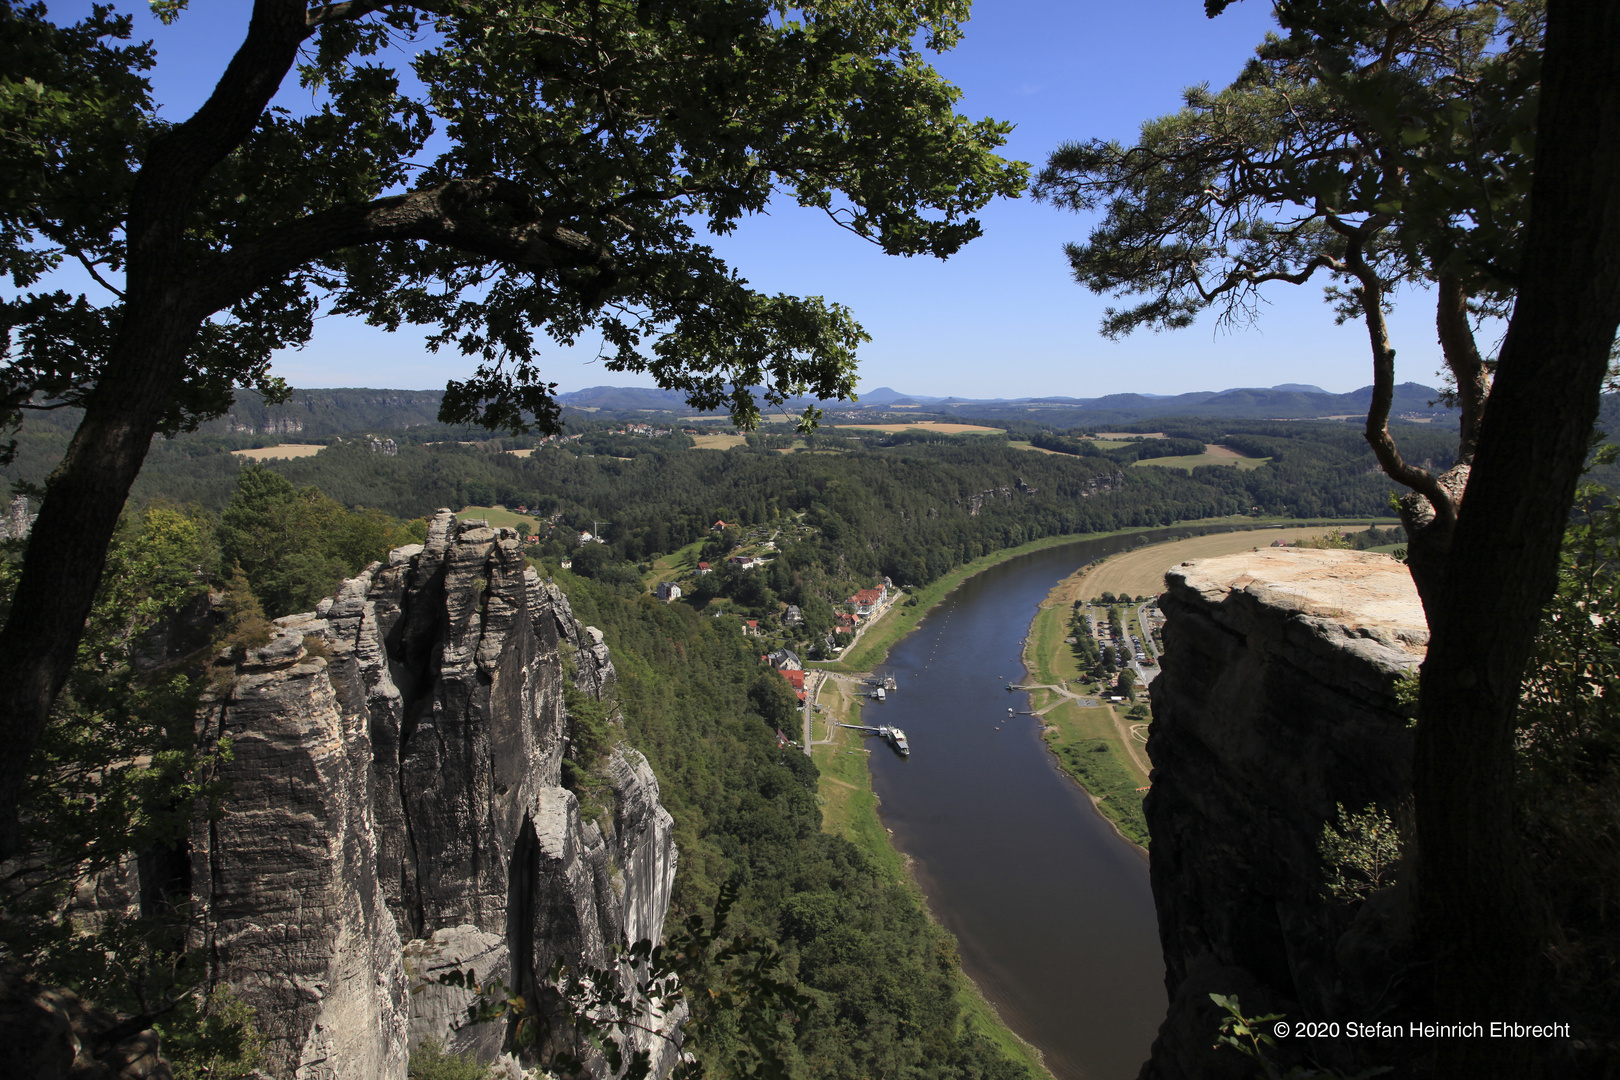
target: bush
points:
(429, 1061)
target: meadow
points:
(285, 452)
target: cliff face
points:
(1276, 703)
(398, 811)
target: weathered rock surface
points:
(1276, 703)
(285, 884)
(397, 777)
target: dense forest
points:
(884, 976)
(691, 694)
(829, 514)
(910, 507)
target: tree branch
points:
(348, 11)
(1462, 357)
(445, 214)
(1369, 290)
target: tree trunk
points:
(161, 315)
(67, 548)
(1477, 905)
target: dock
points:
(892, 735)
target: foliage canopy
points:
(541, 165)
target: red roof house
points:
(795, 679)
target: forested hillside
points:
(885, 977)
(920, 503)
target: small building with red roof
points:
(795, 679)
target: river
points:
(1051, 908)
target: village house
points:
(784, 660)
(668, 592)
(869, 601)
(703, 568)
(795, 679)
(792, 616)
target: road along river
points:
(1050, 906)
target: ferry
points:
(898, 738)
(878, 694)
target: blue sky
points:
(1000, 319)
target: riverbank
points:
(1095, 743)
(849, 808)
(850, 805)
(903, 617)
(1101, 746)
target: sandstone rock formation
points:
(1277, 703)
(398, 811)
(17, 522)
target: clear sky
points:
(1002, 318)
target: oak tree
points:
(545, 169)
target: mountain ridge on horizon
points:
(1288, 401)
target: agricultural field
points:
(280, 453)
(718, 440)
(498, 516)
(1213, 454)
(1139, 572)
(926, 425)
(1019, 445)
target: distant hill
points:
(318, 415)
(1411, 402)
(1290, 401)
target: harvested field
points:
(1141, 571)
(926, 425)
(520, 453)
(1189, 462)
(497, 516)
(718, 441)
(288, 450)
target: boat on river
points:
(898, 739)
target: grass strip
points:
(848, 803)
(1087, 746)
(904, 616)
(849, 809)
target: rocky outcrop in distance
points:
(17, 522)
(1276, 704)
(398, 811)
